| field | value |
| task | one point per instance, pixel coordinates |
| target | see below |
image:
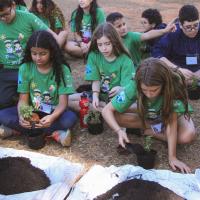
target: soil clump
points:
(135, 189)
(17, 175)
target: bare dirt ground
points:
(101, 149)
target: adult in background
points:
(181, 48)
(151, 20)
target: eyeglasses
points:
(189, 28)
(6, 14)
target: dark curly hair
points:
(51, 12)
(44, 39)
(79, 16)
(188, 13)
(20, 2)
(153, 16)
(5, 4)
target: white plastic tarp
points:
(98, 180)
(61, 173)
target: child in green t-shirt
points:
(151, 19)
(162, 108)
(134, 40)
(84, 20)
(49, 13)
(109, 67)
(20, 5)
(16, 27)
(44, 82)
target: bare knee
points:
(187, 137)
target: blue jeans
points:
(9, 117)
(8, 87)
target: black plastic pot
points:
(130, 148)
(95, 129)
(36, 139)
(194, 93)
(147, 159)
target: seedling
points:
(26, 111)
(147, 143)
(194, 83)
(93, 117)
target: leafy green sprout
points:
(93, 117)
(26, 111)
(147, 143)
(194, 83)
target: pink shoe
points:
(63, 137)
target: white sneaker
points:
(5, 132)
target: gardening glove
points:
(177, 164)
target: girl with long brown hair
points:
(162, 108)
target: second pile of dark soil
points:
(17, 175)
(138, 190)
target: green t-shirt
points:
(86, 28)
(132, 41)
(42, 87)
(110, 74)
(14, 36)
(122, 101)
(22, 8)
(57, 24)
(128, 96)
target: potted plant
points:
(27, 113)
(194, 89)
(146, 158)
(35, 136)
(94, 121)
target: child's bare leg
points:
(186, 130)
(102, 104)
(128, 120)
(73, 101)
(132, 108)
(159, 136)
(73, 49)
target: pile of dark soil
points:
(17, 175)
(138, 190)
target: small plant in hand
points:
(27, 113)
(35, 137)
(94, 121)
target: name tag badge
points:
(46, 108)
(191, 60)
(157, 128)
